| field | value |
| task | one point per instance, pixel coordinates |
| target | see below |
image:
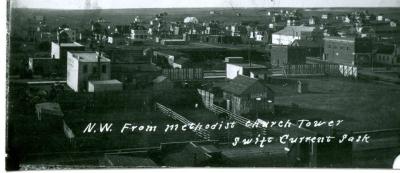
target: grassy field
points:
(363, 105)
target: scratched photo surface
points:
(210, 83)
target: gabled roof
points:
(242, 85)
(291, 30)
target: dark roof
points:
(242, 85)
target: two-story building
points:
(85, 66)
(287, 35)
(348, 51)
(59, 52)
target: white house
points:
(139, 33)
(59, 50)
(246, 69)
(191, 20)
(83, 66)
(287, 35)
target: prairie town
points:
(274, 84)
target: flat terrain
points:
(363, 105)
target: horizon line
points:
(199, 8)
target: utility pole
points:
(100, 47)
(249, 51)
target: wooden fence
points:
(184, 74)
(165, 110)
(248, 123)
(323, 69)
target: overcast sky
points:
(106, 4)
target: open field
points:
(363, 105)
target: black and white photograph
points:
(127, 84)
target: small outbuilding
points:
(105, 85)
(44, 110)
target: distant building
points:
(40, 18)
(287, 55)
(223, 39)
(312, 48)
(246, 69)
(59, 52)
(245, 95)
(66, 35)
(139, 33)
(348, 50)
(173, 42)
(287, 35)
(42, 66)
(379, 18)
(325, 16)
(84, 67)
(388, 55)
(193, 20)
(116, 40)
(167, 58)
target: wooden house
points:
(245, 95)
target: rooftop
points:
(243, 85)
(340, 38)
(291, 30)
(88, 56)
(248, 65)
(102, 82)
(74, 44)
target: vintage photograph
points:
(202, 83)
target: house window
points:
(104, 69)
(85, 68)
(94, 70)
